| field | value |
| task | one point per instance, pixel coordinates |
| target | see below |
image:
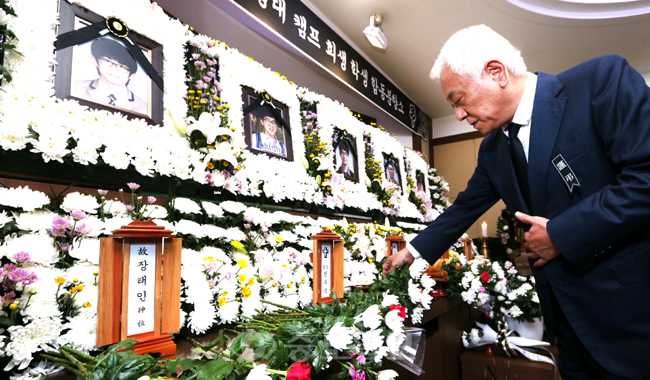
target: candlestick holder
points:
(484, 248)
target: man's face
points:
(113, 72)
(270, 125)
(391, 171)
(481, 104)
(344, 154)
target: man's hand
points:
(538, 241)
(397, 260)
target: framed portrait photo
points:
(346, 159)
(420, 185)
(392, 170)
(264, 132)
(102, 73)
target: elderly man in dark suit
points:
(570, 154)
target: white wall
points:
(223, 21)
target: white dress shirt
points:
(523, 116)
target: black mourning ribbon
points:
(90, 32)
(519, 161)
(276, 112)
(342, 135)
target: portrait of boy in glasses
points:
(268, 134)
(115, 66)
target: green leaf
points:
(6, 322)
(215, 370)
(186, 364)
(239, 344)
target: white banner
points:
(142, 288)
(326, 270)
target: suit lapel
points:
(507, 175)
(548, 110)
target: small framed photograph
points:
(391, 170)
(265, 133)
(419, 181)
(346, 159)
(103, 73)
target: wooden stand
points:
(113, 307)
(395, 243)
(327, 260)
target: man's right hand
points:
(397, 260)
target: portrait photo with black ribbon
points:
(419, 181)
(391, 170)
(345, 155)
(266, 125)
(103, 64)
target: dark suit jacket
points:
(597, 115)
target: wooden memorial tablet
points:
(139, 287)
(327, 260)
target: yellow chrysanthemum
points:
(242, 278)
(59, 280)
(278, 239)
(246, 291)
(237, 244)
(222, 301)
(87, 305)
(242, 263)
(251, 281)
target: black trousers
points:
(575, 362)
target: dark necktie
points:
(111, 99)
(519, 161)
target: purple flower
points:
(247, 225)
(9, 297)
(59, 226)
(78, 215)
(504, 238)
(199, 65)
(133, 186)
(30, 279)
(19, 274)
(21, 257)
(130, 208)
(151, 199)
(83, 229)
(228, 276)
(121, 190)
(357, 375)
(207, 79)
(196, 56)
(102, 192)
(64, 246)
(226, 174)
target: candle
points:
(484, 229)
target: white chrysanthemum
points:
(42, 304)
(116, 157)
(154, 212)
(52, 142)
(34, 221)
(427, 282)
(415, 293)
(212, 209)
(23, 197)
(339, 336)
(5, 218)
(394, 321)
(40, 247)
(371, 317)
(389, 299)
(259, 373)
(213, 232)
(380, 354)
(201, 318)
(82, 335)
(77, 201)
(186, 206)
(216, 253)
(394, 341)
(229, 311)
(42, 370)
(372, 340)
(188, 227)
(416, 315)
(87, 251)
(418, 266)
(116, 223)
(388, 374)
(13, 136)
(29, 339)
(235, 234)
(114, 207)
(233, 207)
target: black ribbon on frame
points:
(117, 28)
(342, 134)
(266, 99)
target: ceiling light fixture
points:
(374, 35)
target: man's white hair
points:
(467, 51)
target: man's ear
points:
(498, 72)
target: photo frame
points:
(346, 157)
(420, 184)
(392, 172)
(264, 133)
(100, 74)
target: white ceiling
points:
(417, 29)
